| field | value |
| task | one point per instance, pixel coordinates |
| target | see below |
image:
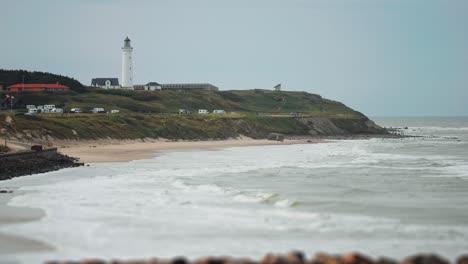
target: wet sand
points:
(11, 244)
(127, 150)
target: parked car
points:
(184, 111)
(57, 111)
(114, 111)
(219, 112)
(75, 110)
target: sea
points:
(379, 196)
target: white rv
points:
(219, 112)
(75, 110)
(97, 110)
(203, 111)
(56, 110)
(50, 107)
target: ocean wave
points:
(256, 197)
(433, 128)
(287, 203)
(210, 188)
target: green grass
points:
(170, 126)
(245, 101)
(153, 114)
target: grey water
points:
(383, 197)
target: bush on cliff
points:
(4, 149)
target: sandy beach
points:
(127, 150)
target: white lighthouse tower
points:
(127, 68)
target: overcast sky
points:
(393, 58)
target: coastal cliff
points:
(153, 114)
(186, 127)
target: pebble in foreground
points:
(294, 257)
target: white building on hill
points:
(106, 83)
(127, 67)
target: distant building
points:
(37, 87)
(153, 86)
(189, 86)
(106, 83)
(278, 87)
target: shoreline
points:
(98, 151)
(11, 243)
(115, 150)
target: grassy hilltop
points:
(153, 114)
(244, 101)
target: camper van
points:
(203, 111)
(97, 110)
(50, 107)
(184, 111)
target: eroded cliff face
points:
(193, 127)
(322, 126)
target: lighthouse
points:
(127, 68)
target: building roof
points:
(102, 81)
(153, 84)
(38, 85)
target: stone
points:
(385, 260)
(275, 136)
(179, 260)
(322, 258)
(356, 258)
(273, 259)
(424, 259)
(462, 259)
(92, 261)
(296, 257)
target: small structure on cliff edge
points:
(278, 87)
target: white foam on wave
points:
(433, 128)
(168, 204)
(286, 203)
(258, 197)
(211, 188)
